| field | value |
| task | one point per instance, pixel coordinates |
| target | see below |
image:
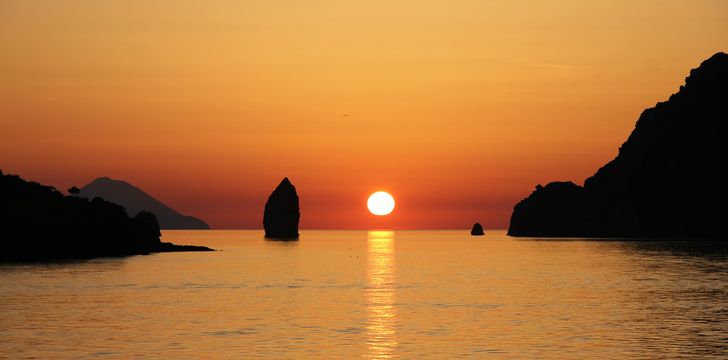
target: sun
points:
(380, 203)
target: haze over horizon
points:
(458, 109)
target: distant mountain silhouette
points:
(668, 180)
(135, 200)
(281, 214)
(38, 223)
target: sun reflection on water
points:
(381, 292)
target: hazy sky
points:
(458, 108)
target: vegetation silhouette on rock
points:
(668, 180)
(281, 214)
(135, 200)
(38, 223)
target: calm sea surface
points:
(376, 294)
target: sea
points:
(439, 294)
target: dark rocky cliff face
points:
(281, 215)
(668, 179)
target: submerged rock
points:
(477, 230)
(667, 180)
(281, 215)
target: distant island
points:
(38, 223)
(667, 181)
(136, 200)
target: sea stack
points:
(477, 230)
(280, 219)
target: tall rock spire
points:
(281, 215)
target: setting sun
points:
(380, 203)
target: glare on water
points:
(381, 292)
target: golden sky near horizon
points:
(458, 108)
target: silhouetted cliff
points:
(281, 215)
(39, 223)
(135, 200)
(668, 179)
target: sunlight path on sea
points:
(380, 293)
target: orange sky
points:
(458, 107)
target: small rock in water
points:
(477, 230)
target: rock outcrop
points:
(38, 223)
(136, 200)
(477, 230)
(668, 180)
(150, 220)
(281, 215)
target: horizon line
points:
(336, 229)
